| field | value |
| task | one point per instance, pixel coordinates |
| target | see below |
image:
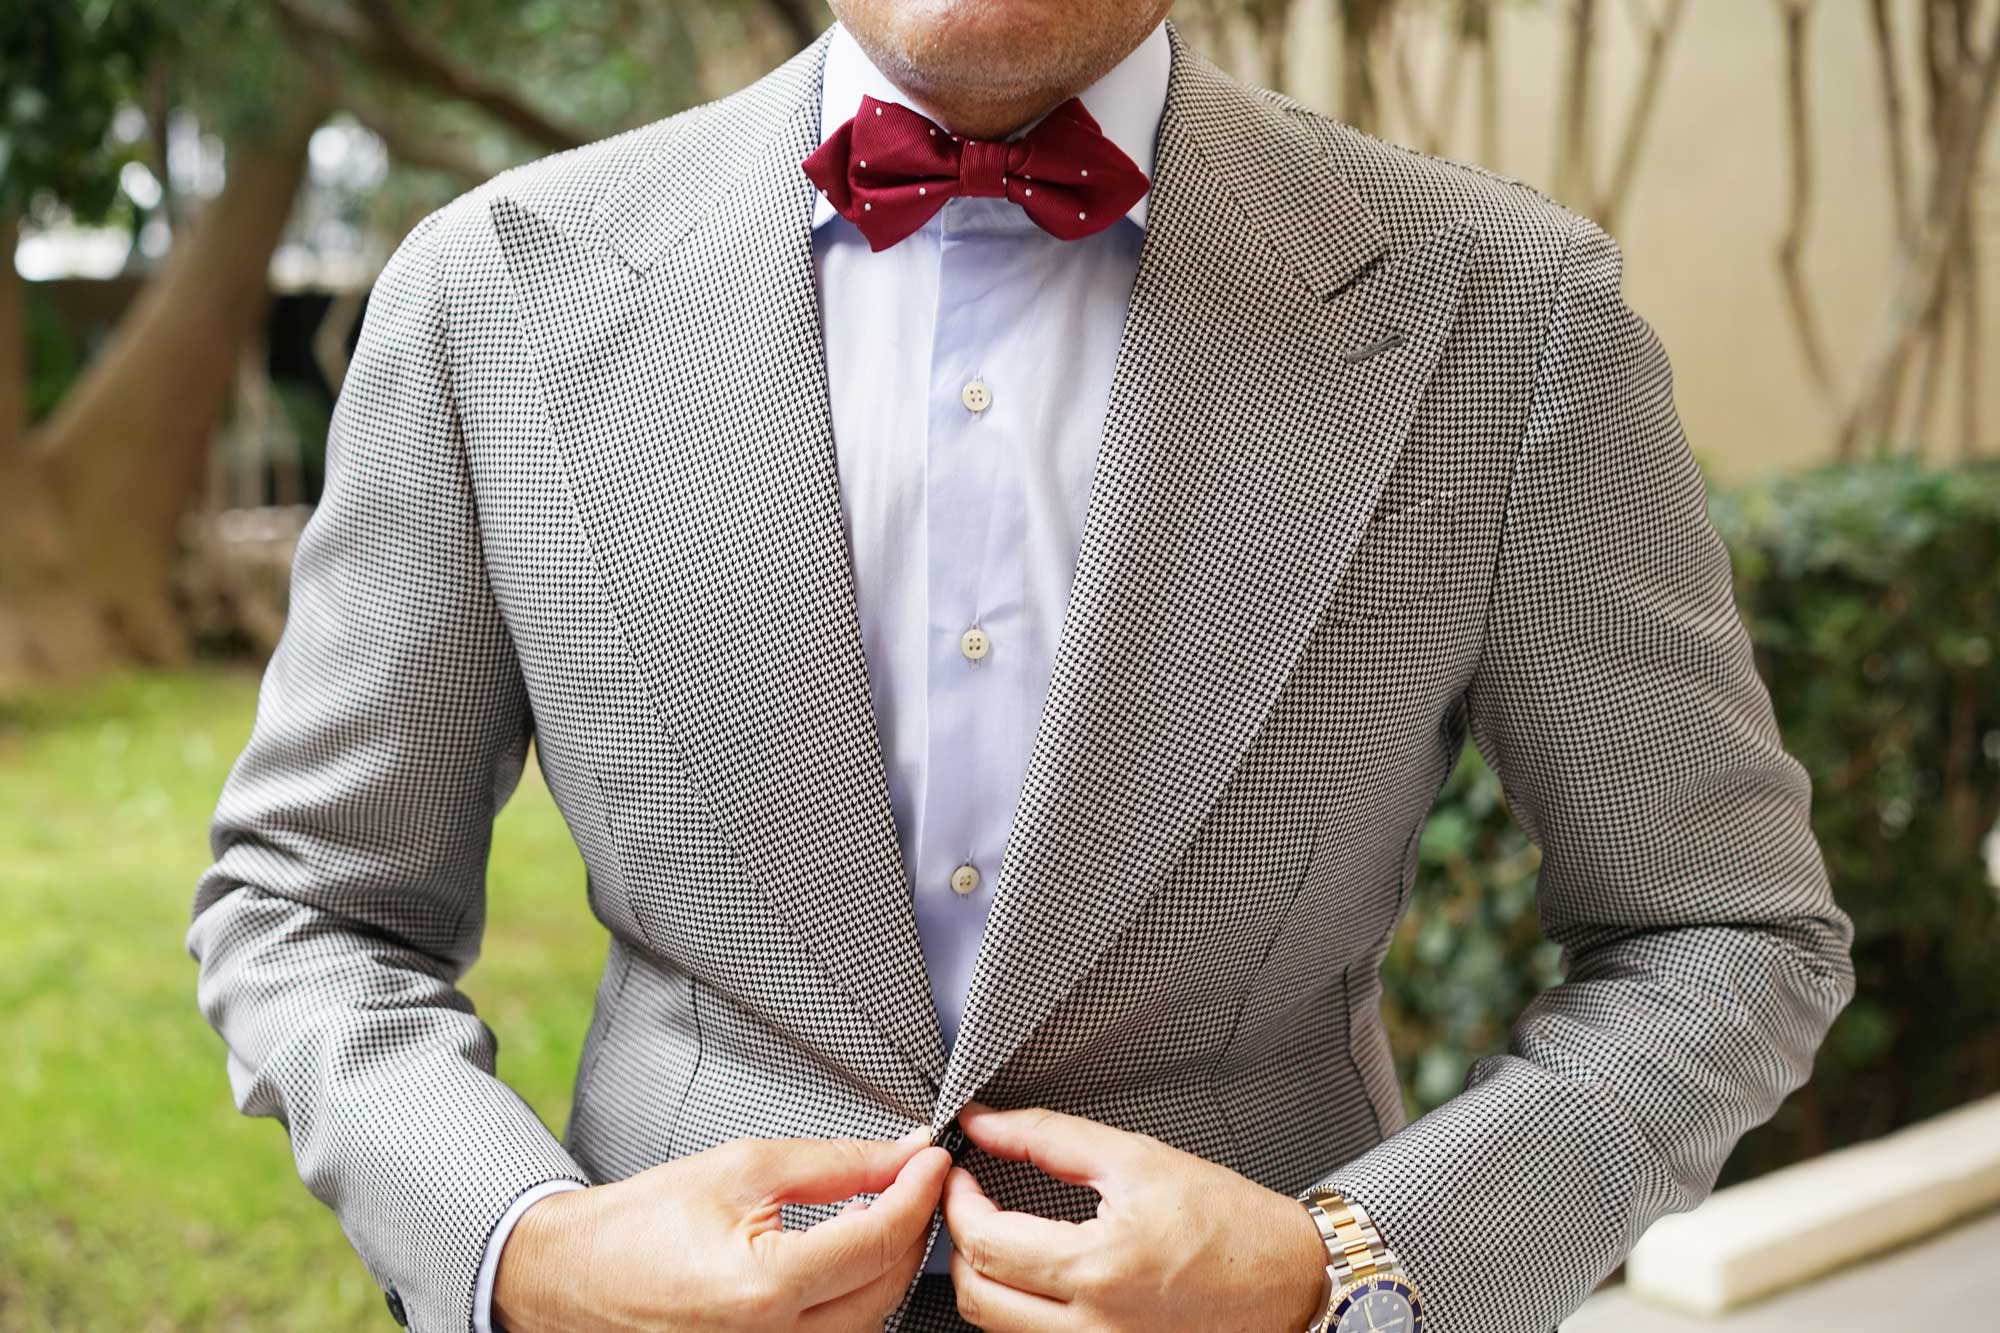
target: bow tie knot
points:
(982, 168)
(888, 170)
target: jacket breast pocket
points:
(1394, 564)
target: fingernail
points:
(915, 1138)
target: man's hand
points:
(1178, 1242)
(698, 1243)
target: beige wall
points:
(1703, 224)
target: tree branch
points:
(1483, 23)
(408, 146)
(386, 40)
(1270, 22)
(1920, 282)
(1431, 124)
(1892, 117)
(1659, 38)
(1929, 346)
(1798, 125)
(1360, 30)
(1973, 370)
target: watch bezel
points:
(1344, 1298)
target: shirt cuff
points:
(482, 1296)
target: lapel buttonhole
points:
(1388, 342)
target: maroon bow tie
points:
(889, 169)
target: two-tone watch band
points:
(1354, 1248)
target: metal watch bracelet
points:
(1354, 1248)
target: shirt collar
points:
(1126, 103)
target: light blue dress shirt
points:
(969, 368)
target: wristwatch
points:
(1370, 1293)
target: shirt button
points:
(975, 644)
(976, 396)
(964, 879)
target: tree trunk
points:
(49, 629)
(1576, 159)
(1361, 22)
(13, 340)
(38, 630)
(91, 501)
(1489, 84)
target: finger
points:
(869, 1305)
(853, 1206)
(1067, 1147)
(818, 1170)
(1029, 1253)
(999, 1308)
(850, 1250)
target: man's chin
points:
(1002, 49)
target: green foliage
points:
(55, 355)
(1873, 595)
(68, 67)
(1470, 955)
(65, 68)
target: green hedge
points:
(1873, 595)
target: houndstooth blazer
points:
(1388, 462)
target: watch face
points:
(1378, 1305)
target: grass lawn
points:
(132, 1193)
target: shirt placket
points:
(976, 629)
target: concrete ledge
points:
(1806, 1220)
(1948, 1281)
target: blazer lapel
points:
(1272, 359)
(679, 344)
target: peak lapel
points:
(680, 355)
(1254, 416)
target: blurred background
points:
(196, 195)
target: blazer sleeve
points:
(347, 894)
(1704, 956)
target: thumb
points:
(851, 1250)
(823, 1170)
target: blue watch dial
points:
(1378, 1305)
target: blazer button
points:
(964, 879)
(953, 1141)
(396, 1310)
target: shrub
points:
(1873, 595)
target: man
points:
(990, 659)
